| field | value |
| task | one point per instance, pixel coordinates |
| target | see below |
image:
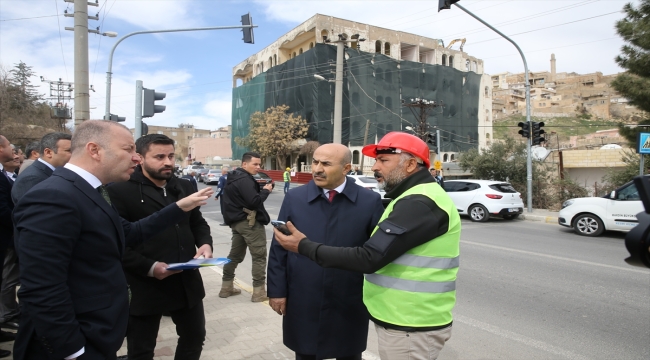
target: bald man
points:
(324, 315)
(70, 241)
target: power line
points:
(29, 18)
(65, 66)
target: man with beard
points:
(411, 259)
(324, 312)
(156, 290)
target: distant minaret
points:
(552, 67)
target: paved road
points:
(531, 290)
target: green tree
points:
(634, 84)
(617, 177)
(274, 133)
(24, 94)
(503, 161)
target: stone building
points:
(381, 72)
(182, 135)
(559, 95)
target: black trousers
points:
(313, 357)
(142, 332)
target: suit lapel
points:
(97, 198)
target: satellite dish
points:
(610, 146)
(216, 158)
(539, 153)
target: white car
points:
(212, 177)
(191, 168)
(616, 211)
(369, 183)
(481, 199)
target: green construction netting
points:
(374, 86)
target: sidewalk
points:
(236, 327)
(550, 217)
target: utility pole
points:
(365, 142)
(138, 109)
(60, 110)
(421, 109)
(81, 88)
(338, 80)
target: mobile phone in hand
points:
(282, 226)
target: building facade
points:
(388, 68)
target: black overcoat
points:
(136, 199)
(325, 316)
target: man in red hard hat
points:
(411, 259)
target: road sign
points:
(643, 143)
(437, 165)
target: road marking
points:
(519, 338)
(556, 257)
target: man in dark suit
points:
(6, 223)
(55, 152)
(324, 316)
(156, 290)
(70, 240)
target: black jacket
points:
(242, 191)
(138, 198)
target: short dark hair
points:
(142, 144)
(50, 141)
(33, 146)
(249, 155)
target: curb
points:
(540, 218)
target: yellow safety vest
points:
(418, 289)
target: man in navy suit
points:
(6, 224)
(70, 241)
(55, 152)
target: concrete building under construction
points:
(388, 68)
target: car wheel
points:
(478, 213)
(588, 225)
(510, 217)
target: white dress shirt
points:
(339, 189)
(49, 165)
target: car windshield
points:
(503, 187)
(215, 171)
(367, 180)
(262, 175)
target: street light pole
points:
(107, 113)
(529, 160)
(338, 93)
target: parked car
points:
(481, 199)
(369, 183)
(201, 173)
(262, 179)
(212, 177)
(189, 169)
(590, 216)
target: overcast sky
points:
(194, 69)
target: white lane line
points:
(630, 269)
(519, 338)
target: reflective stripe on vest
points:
(411, 285)
(427, 262)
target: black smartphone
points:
(282, 226)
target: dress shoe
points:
(9, 325)
(5, 353)
(7, 336)
(123, 357)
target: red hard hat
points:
(402, 141)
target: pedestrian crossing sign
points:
(643, 143)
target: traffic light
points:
(538, 132)
(431, 139)
(445, 4)
(145, 129)
(116, 118)
(525, 129)
(149, 97)
(248, 32)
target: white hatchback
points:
(368, 182)
(616, 211)
(481, 199)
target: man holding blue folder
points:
(154, 288)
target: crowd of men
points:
(91, 221)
